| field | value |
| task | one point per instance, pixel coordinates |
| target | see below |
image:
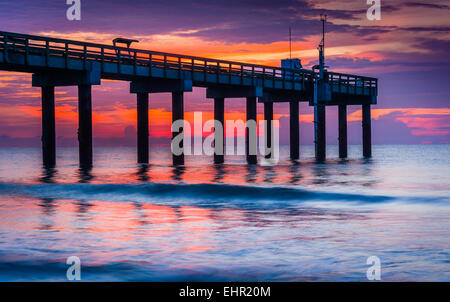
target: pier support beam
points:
(251, 132)
(268, 117)
(177, 114)
(219, 142)
(342, 131)
(319, 132)
(153, 85)
(85, 124)
(84, 79)
(48, 126)
(294, 130)
(142, 128)
(251, 94)
(367, 135)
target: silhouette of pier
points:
(57, 62)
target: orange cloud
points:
(427, 126)
(426, 121)
(377, 113)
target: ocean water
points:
(290, 221)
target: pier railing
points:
(12, 43)
(351, 84)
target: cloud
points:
(427, 5)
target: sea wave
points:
(133, 271)
(204, 194)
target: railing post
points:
(134, 66)
(5, 48)
(348, 85)
(103, 58)
(273, 77)
(119, 59)
(165, 66)
(150, 63)
(253, 75)
(264, 76)
(340, 83)
(84, 57)
(47, 52)
(242, 74)
(66, 55)
(293, 79)
(26, 51)
(217, 73)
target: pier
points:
(56, 62)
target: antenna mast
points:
(323, 18)
(290, 43)
(319, 98)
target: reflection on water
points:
(269, 174)
(294, 171)
(142, 172)
(291, 221)
(252, 172)
(83, 207)
(85, 173)
(48, 173)
(220, 173)
(48, 210)
(178, 172)
(307, 172)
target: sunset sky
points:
(407, 50)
